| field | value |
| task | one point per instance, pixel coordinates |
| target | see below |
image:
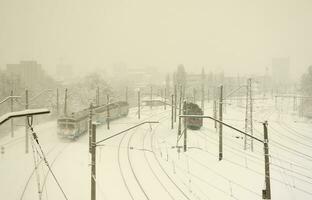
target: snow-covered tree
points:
(306, 82)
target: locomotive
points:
(193, 122)
(76, 124)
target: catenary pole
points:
(93, 162)
(185, 126)
(12, 123)
(220, 124)
(26, 123)
(172, 111)
(266, 194)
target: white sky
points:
(240, 36)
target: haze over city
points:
(235, 36)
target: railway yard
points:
(147, 163)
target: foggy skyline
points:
(236, 36)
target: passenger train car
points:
(76, 124)
(192, 122)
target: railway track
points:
(162, 168)
(37, 166)
(129, 161)
(51, 165)
(149, 164)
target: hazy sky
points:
(236, 35)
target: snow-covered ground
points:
(144, 163)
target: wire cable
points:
(35, 138)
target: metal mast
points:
(248, 142)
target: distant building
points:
(30, 74)
(281, 73)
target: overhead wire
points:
(35, 138)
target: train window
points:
(61, 125)
(66, 125)
(70, 126)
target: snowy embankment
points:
(144, 163)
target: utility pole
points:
(93, 162)
(57, 101)
(139, 105)
(151, 106)
(90, 126)
(26, 123)
(180, 105)
(215, 113)
(108, 115)
(248, 142)
(65, 103)
(266, 194)
(12, 123)
(175, 103)
(185, 126)
(220, 124)
(172, 113)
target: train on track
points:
(192, 122)
(76, 124)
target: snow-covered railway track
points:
(36, 167)
(51, 165)
(122, 173)
(161, 167)
(150, 166)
